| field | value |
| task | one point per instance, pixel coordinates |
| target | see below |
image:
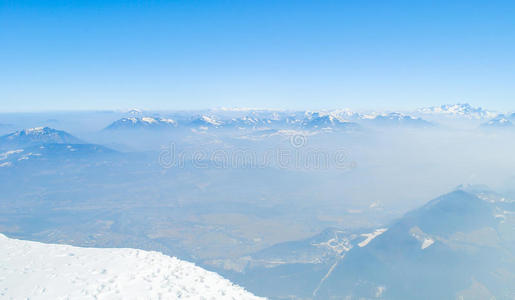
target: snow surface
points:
(426, 243)
(32, 270)
(148, 120)
(424, 239)
(35, 130)
(371, 236)
(210, 120)
(380, 290)
(5, 155)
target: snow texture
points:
(32, 270)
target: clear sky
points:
(276, 54)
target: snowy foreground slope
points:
(31, 270)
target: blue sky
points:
(268, 54)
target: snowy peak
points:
(320, 120)
(396, 119)
(40, 132)
(345, 114)
(150, 122)
(342, 115)
(252, 122)
(34, 131)
(206, 121)
(463, 110)
(36, 136)
(135, 112)
(31, 147)
(142, 123)
(37, 270)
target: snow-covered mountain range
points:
(462, 110)
(335, 119)
(309, 120)
(32, 270)
(396, 119)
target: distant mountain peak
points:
(500, 121)
(210, 120)
(37, 135)
(396, 119)
(463, 110)
(253, 122)
(206, 121)
(142, 123)
(135, 112)
(342, 115)
(36, 131)
(324, 119)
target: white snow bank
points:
(422, 237)
(31, 270)
(426, 243)
(371, 236)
